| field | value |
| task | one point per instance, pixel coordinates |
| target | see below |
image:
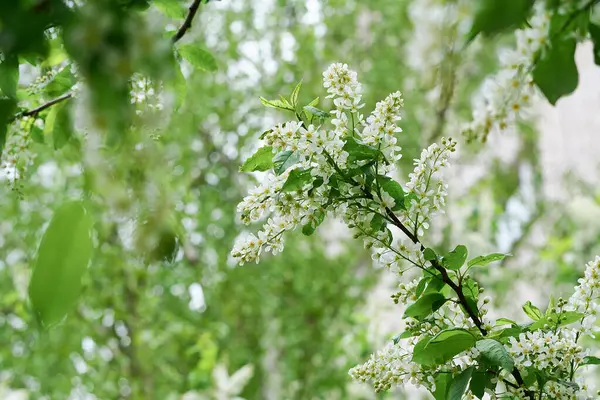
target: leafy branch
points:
(187, 23)
(35, 111)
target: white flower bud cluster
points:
(504, 96)
(585, 297)
(427, 185)
(17, 156)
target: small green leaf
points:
(556, 72)
(198, 57)
(420, 287)
(394, 189)
(63, 127)
(62, 258)
(494, 16)
(532, 311)
(314, 103)
(280, 104)
(420, 356)
(495, 353)
(262, 160)
(359, 151)
(294, 96)
(283, 160)
(170, 8)
(459, 384)
(590, 360)
(482, 261)
(505, 321)
(317, 112)
(318, 217)
(429, 254)
(456, 258)
(425, 306)
(297, 179)
(61, 83)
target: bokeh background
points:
(290, 327)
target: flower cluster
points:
(550, 351)
(343, 170)
(586, 294)
(504, 96)
(17, 156)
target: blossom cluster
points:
(505, 96)
(586, 294)
(321, 156)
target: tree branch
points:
(187, 23)
(37, 110)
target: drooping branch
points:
(187, 23)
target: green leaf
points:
(494, 16)
(505, 321)
(9, 76)
(429, 254)
(314, 103)
(198, 57)
(317, 112)
(456, 258)
(63, 128)
(556, 72)
(590, 360)
(556, 319)
(594, 31)
(482, 261)
(294, 95)
(359, 151)
(532, 311)
(420, 287)
(425, 306)
(283, 160)
(318, 218)
(448, 343)
(297, 179)
(459, 384)
(394, 189)
(442, 384)
(282, 105)
(479, 381)
(420, 356)
(170, 8)
(495, 353)
(262, 160)
(62, 258)
(61, 83)
(58, 125)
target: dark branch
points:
(37, 110)
(187, 23)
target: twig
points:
(187, 23)
(37, 110)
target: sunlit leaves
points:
(7, 110)
(62, 258)
(262, 160)
(294, 95)
(58, 125)
(199, 58)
